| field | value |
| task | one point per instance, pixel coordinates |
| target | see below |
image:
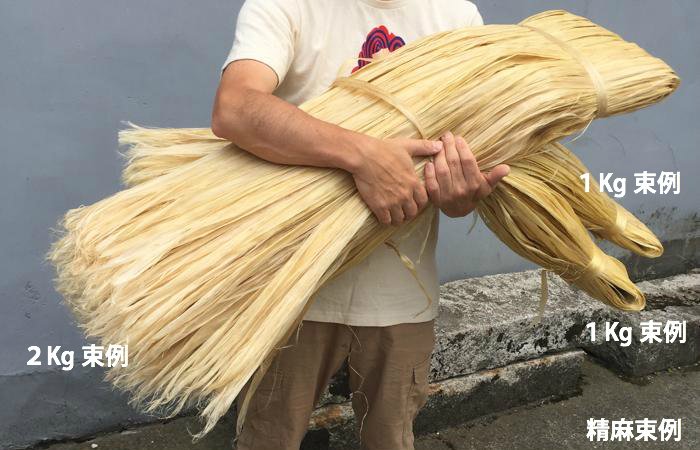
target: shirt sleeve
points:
(477, 20)
(266, 31)
(474, 18)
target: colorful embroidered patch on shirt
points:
(378, 39)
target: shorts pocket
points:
(418, 394)
(419, 387)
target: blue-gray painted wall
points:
(72, 70)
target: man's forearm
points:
(279, 132)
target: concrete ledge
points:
(488, 322)
(675, 298)
(681, 255)
(461, 399)
(678, 290)
(639, 358)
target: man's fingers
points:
(490, 180)
(420, 196)
(431, 183)
(484, 189)
(453, 160)
(397, 215)
(410, 210)
(442, 172)
(383, 215)
(468, 161)
(497, 174)
(422, 147)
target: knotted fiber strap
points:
(375, 91)
(593, 74)
(594, 269)
(620, 223)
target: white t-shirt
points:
(307, 43)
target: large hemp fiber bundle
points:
(554, 169)
(206, 267)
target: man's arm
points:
(246, 113)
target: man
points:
(285, 52)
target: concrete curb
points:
(668, 299)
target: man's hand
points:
(453, 180)
(387, 181)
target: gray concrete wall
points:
(71, 71)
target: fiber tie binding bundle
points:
(375, 91)
(593, 74)
(620, 223)
(594, 268)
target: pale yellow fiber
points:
(207, 263)
(561, 170)
(540, 225)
